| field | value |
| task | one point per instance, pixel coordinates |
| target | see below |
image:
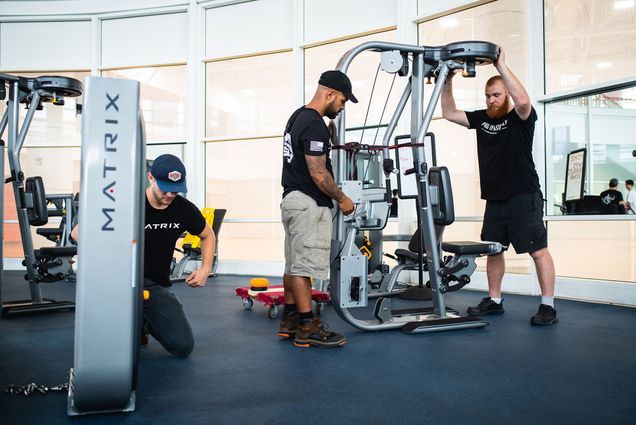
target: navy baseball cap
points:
(170, 173)
(338, 80)
(613, 182)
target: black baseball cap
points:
(338, 80)
(170, 173)
(613, 182)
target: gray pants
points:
(166, 321)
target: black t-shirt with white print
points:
(504, 149)
(305, 134)
(610, 202)
(162, 230)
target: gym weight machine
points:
(349, 274)
(47, 264)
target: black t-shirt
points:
(504, 149)
(305, 134)
(610, 199)
(163, 228)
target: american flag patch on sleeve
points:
(316, 146)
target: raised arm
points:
(449, 110)
(515, 88)
(325, 182)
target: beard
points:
(496, 112)
(331, 112)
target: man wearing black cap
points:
(309, 190)
(612, 199)
(168, 215)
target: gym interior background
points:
(219, 79)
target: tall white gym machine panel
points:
(110, 266)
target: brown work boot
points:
(288, 325)
(317, 333)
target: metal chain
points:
(34, 388)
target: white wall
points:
(45, 45)
(250, 27)
(430, 7)
(155, 39)
(329, 19)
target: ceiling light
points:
(623, 4)
(603, 65)
(448, 23)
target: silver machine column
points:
(3, 125)
(110, 257)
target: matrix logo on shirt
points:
(493, 129)
(155, 226)
(288, 153)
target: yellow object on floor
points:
(259, 284)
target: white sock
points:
(547, 301)
(497, 300)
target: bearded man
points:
(509, 183)
(309, 192)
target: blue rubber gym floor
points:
(580, 371)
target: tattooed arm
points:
(325, 182)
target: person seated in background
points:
(612, 200)
(630, 198)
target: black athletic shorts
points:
(517, 221)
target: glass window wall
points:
(248, 97)
(503, 22)
(248, 102)
(377, 97)
(588, 42)
(163, 92)
(603, 124)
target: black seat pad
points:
(471, 248)
(409, 255)
(46, 231)
(58, 251)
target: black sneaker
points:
(288, 325)
(317, 333)
(486, 306)
(545, 316)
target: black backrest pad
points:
(219, 215)
(38, 215)
(441, 200)
(443, 209)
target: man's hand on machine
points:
(198, 277)
(346, 205)
(501, 59)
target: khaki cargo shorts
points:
(307, 236)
